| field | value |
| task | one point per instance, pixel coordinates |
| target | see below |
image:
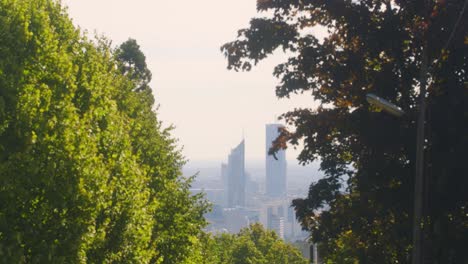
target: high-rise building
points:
(236, 177)
(275, 168)
(275, 222)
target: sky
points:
(211, 107)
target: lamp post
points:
(419, 175)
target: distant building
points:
(251, 191)
(276, 223)
(291, 214)
(235, 219)
(215, 196)
(225, 183)
(281, 211)
(275, 168)
(236, 177)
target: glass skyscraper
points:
(275, 169)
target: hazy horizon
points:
(254, 162)
(212, 108)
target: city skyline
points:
(239, 199)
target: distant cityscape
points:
(244, 194)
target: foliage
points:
(133, 64)
(253, 245)
(87, 172)
(372, 46)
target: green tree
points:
(133, 64)
(253, 245)
(180, 216)
(87, 172)
(372, 46)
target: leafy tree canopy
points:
(253, 245)
(133, 64)
(372, 46)
(87, 172)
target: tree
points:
(133, 63)
(252, 244)
(372, 46)
(87, 172)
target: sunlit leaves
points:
(253, 245)
(88, 174)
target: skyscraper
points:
(224, 180)
(275, 169)
(236, 176)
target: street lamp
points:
(384, 105)
(419, 175)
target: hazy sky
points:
(209, 105)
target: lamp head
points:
(384, 105)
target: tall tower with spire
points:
(236, 176)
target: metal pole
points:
(419, 177)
